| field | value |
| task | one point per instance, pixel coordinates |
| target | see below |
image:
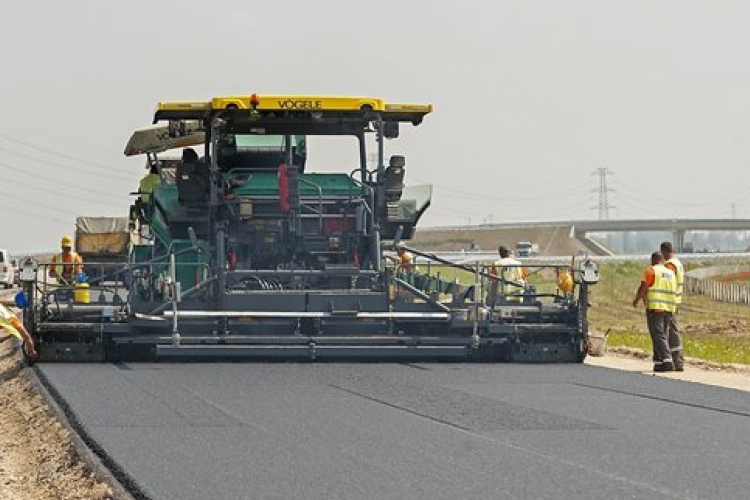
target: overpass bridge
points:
(678, 227)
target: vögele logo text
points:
(300, 104)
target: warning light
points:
(254, 101)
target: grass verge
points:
(709, 347)
(713, 331)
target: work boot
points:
(678, 359)
(666, 366)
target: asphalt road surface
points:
(410, 431)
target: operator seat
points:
(394, 178)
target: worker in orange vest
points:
(657, 291)
(67, 264)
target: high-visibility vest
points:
(510, 269)
(147, 185)
(680, 276)
(67, 267)
(661, 296)
(6, 321)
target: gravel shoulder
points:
(37, 459)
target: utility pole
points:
(604, 205)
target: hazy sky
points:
(531, 98)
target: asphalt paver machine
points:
(244, 251)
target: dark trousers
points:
(657, 327)
(675, 341)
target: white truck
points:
(526, 249)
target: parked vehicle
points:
(7, 269)
(526, 249)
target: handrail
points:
(320, 202)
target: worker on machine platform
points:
(192, 178)
(148, 183)
(512, 274)
(67, 264)
(403, 259)
(146, 186)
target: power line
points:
(54, 209)
(652, 197)
(110, 172)
(502, 193)
(59, 192)
(27, 213)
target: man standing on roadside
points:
(673, 332)
(657, 291)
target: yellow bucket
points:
(81, 293)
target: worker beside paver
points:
(67, 264)
(404, 259)
(404, 262)
(512, 274)
(673, 332)
(11, 324)
(657, 291)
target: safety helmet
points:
(66, 241)
(21, 301)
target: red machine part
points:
(283, 188)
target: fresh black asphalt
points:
(410, 431)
